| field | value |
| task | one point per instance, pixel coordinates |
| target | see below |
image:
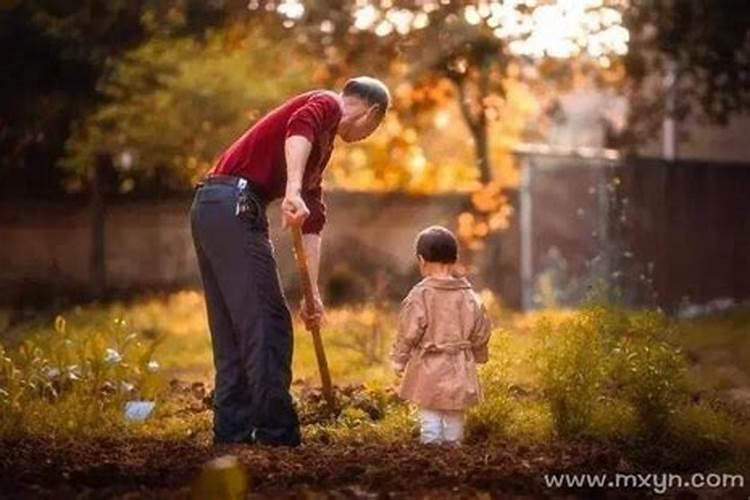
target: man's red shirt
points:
(258, 155)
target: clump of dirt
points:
(314, 409)
(189, 398)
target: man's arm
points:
(306, 208)
(295, 212)
(312, 243)
(294, 209)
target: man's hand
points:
(294, 211)
(312, 316)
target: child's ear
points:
(420, 259)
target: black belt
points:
(226, 180)
(234, 181)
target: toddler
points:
(443, 334)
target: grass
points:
(598, 373)
(721, 345)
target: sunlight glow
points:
(291, 9)
(365, 17)
(533, 28)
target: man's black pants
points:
(251, 328)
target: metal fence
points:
(650, 232)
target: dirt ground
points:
(157, 469)
(129, 468)
(120, 467)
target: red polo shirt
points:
(258, 155)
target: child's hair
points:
(437, 244)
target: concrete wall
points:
(45, 248)
(683, 226)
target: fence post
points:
(525, 204)
(98, 219)
(669, 123)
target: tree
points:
(173, 103)
(687, 58)
(55, 53)
(479, 47)
(707, 41)
(470, 44)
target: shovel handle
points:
(320, 354)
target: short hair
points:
(437, 244)
(369, 89)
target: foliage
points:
(56, 54)
(648, 369)
(75, 382)
(597, 373)
(572, 367)
(707, 42)
(700, 431)
(603, 353)
(490, 419)
(198, 94)
(397, 158)
(468, 46)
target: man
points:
(282, 155)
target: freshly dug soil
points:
(143, 468)
(120, 467)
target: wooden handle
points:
(320, 354)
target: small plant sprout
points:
(60, 325)
(74, 372)
(112, 357)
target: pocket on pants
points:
(251, 211)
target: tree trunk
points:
(478, 127)
(482, 151)
(97, 207)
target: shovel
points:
(320, 354)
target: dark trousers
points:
(251, 328)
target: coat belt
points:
(447, 347)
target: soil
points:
(127, 468)
(146, 468)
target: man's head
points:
(365, 101)
(437, 250)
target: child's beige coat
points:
(443, 334)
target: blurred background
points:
(568, 143)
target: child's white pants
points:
(439, 426)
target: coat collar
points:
(446, 283)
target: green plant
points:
(572, 367)
(698, 430)
(648, 370)
(65, 381)
(489, 419)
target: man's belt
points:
(235, 181)
(226, 180)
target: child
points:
(443, 334)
